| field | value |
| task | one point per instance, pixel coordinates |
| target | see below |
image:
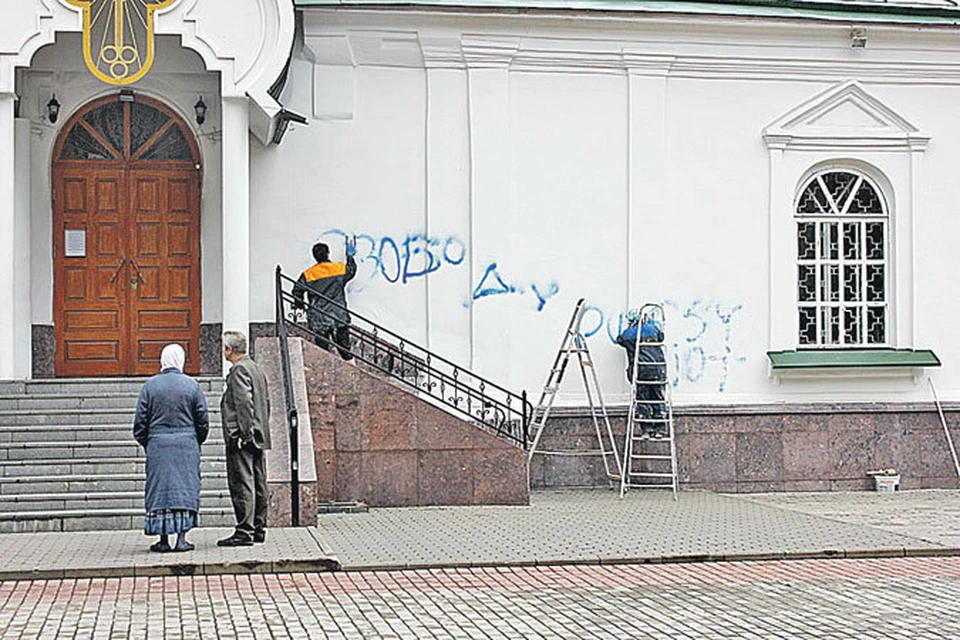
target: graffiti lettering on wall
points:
(699, 335)
(493, 284)
(698, 338)
(396, 259)
(399, 260)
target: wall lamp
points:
(858, 39)
(126, 95)
(53, 109)
(200, 110)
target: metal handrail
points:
(485, 403)
(291, 408)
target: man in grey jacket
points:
(245, 411)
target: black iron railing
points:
(290, 405)
(436, 379)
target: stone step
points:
(42, 502)
(16, 417)
(72, 450)
(32, 402)
(93, 386)
(98, 520)
(68, 461)
(124, 401)
(82, 432)
(96, 466)
(92, 483)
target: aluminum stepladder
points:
(650, 462)
(574, 342)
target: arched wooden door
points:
(126, 239)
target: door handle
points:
(138, 277)
(116, 272)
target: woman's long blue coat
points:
(171, 424)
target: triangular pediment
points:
(843, 115)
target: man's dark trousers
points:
(247, 480)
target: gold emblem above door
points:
(118, 37)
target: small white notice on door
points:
(75, 243)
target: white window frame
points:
(828, 269)
(844, 126)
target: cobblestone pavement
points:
(126, 553)
(865, 599)
(558, 527)
(930, 514)
(597, 526)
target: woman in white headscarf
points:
(171, 424)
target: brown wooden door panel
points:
(165, 245)
(136, 286)
(89, 308)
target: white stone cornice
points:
(647, 64)
(441, 52)
(489, 52)
(331, 50)
(569, 56)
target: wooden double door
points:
(126, 231)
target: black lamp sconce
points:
(200, 110)
(53, 109)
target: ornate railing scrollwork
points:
(487, 404)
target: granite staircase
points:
(68, 461)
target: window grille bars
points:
(841, 262)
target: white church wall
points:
(557, 139)
(372, 171)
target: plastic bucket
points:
(887, 484)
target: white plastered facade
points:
(622, 159)
(496, 168)
(228, 51)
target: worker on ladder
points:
(651, 372)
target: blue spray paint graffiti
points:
(492, 283)
(698, 337)
(396, 260)
(699, 334)
(417, 255)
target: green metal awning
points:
(853, 358)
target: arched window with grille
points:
(842, 261)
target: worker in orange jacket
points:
(324, 284)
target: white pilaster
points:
(906, 273)
(646, 156)
(783, 324)
(235, 182)
(491, 192)
(7, 238)
(22, 308)
(447, 207)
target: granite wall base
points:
(44, 349)
(279, 509)
(758, 449)
(381, 445)
(211, 354)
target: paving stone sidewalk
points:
(104, 554)
(558, 527)
(564, 527)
